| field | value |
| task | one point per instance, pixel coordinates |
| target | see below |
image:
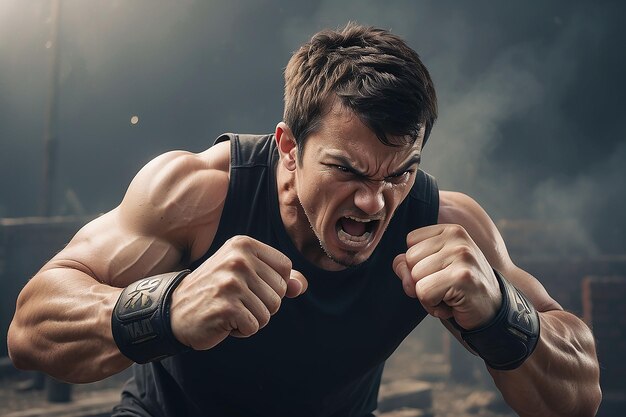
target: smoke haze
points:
(529, 96)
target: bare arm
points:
(561, 377)
(167, 218)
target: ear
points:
(286, 144)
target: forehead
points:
(342, 131)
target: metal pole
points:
(56, 391)
(50, 139)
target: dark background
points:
(531, 96)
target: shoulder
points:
(453, 200)
(178, 195)
(459, 208)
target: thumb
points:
(403, 272)
(296, 285)
(401, 268)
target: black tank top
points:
(323, 353)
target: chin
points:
(347, 259)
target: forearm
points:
(62, 326)
(561, 377)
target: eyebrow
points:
(415, 159)
(342, 160)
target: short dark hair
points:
(372, 71)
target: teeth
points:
(353, 240)
(359, 220)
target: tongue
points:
(352, 227)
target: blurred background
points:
(530, 97)
(530, 93)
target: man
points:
(188, 274)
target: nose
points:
(369, 197)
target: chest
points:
(320, 351)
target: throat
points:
(352, 227)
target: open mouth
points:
(354, 232)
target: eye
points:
(343, 169)
(399, 177)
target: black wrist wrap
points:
(510, 338)
(141, 319)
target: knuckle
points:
(264, 319)
(424, 296)
(456, 230)
(416, 272)
(231, 241)
(241, 241)
(282, 289)
(464, 253)
(410, 253)
(236, 262)
(273, 304)
(247, 325)
(398, 260)
(463, 275)
(411, 237)
(412, 256)
(252, 324)
(227, 310)
(229, 284)
(420, 291)
(283, 265)
(286, 269)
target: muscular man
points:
(333, 213)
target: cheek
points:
(313, 194)
(325, 187)
(396, 196)
(325, 198)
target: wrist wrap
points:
(510, 338)
(141, 319)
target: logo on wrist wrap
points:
(139, 298)
(521, 316)
(140, 320)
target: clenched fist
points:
(446, 271)
(234, 292)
